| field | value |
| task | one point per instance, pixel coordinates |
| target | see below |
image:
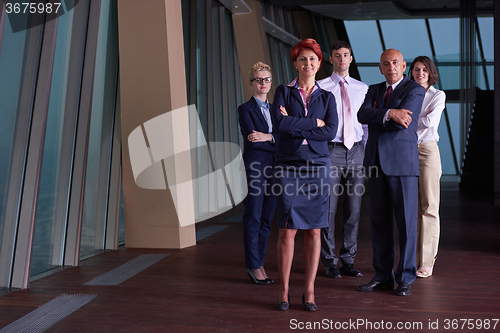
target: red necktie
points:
(389, 90)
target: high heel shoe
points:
(254, 280)
(309, 306)
(264, 274)
(424, 274)
(283, 306)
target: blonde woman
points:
(258, 157)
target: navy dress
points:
(302, 173)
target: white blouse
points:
(428, 121)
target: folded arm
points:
(290, 123)
(248, 131)
(329, 130)
(397, 119)
(432, 117)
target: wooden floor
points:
(205, 288)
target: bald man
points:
(391, 111)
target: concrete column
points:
(251, 44)
(152, 82)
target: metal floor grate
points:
(209, 231)
(48, 314)
(127, 270)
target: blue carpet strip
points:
(209, 231)
(48, 314)
(127, 270)
(234, 218)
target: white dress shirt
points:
(387, 85)
(357, 91)
(428, 120)
(264, 108)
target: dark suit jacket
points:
(397, 145)
(296, 127)
(251, 118)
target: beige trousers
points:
(428, 203)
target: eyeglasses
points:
(262, 79)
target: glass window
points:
(202, 191)
(233, 79)
(53, 196)
(11, 64)
(412, 41)
(365, 40)
(486, 31)
(445, 148)
(445, 33)
(446, 38)
(216, 106)
(290, 73)
(481, 81)
(217, 76)
(449, 76)
(100, 135)
(485, 73)
(218, 116)
(490, 70)
(283, 69)
(370, 75)
(276, 55)
(121, 225)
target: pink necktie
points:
(389, 90)
(346, 111)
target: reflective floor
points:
(205, 288)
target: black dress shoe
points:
(254, 280)
(309, 306)
(348, 269)
(283, 306)
(404, 289)
(375, 285)
(332, 272)
(270, 280)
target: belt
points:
(341, 144)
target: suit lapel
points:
(296, 94)
(256, 109)
(316, 94)
(401, 86)
(395, 93)
(381, 94)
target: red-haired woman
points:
(306, 118)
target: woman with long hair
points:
(424, 72)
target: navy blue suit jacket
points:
(397, 145)
(251, 118)
(296, 127)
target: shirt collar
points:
(337, 78)
(295, 84)
(260, 103)
(394, 85)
